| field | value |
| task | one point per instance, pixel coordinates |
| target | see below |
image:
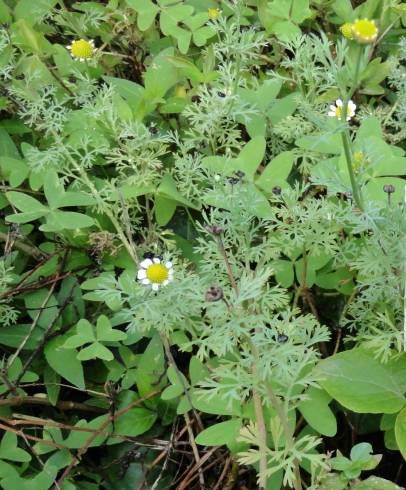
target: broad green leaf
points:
(376, 483)
(160, 76)
(7, 146)
(322, 142)
(37, 306)
(14, 169)
(172, 391)
(77, 439)
(64, 361)
(317, 413)
(400, 431)
(177, 386)
(250, 157)
(220, 434)
(33, 12)
(43, 480)
(151, 367)
(52, 382)
(135, 422)
(284, 272)
(14, 335)
(66, 220)
(25, 217)
(130, 91)
(10, 451)
(26, 203)
(361, 383)
(167, 188)
(5, 14)
(105, 332)
(146, 11)
(197, 370)
(95, 351)
(282, 108)
(276, 172)
(164, 209)
(84, 335)
(300, 10)
(53, 189)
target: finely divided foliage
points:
(202, 279)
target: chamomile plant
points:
(202, 212)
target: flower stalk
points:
(345, 134)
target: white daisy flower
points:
(155, 272)
(81, 49)
(336, 110)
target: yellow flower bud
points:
(346, 30)
(365, 31)
(213, 13)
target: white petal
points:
(332, 114)
(142, 274)
(146, 281)
(333, 108)
(91, 42)
(165, 283)
(352, 106)
(157, 261)
(146, 263)
(155, 287)
(168, 265)
(339, 103)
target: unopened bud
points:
(213, 294)
(216, 230)
(389, 188)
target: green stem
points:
(85, 178)
(348, 157)
(344, 133)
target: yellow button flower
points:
(365, 31)
(155, 273)
(213, 13)
(337, 109)
(81, 49)
(346, 30)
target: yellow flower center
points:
(213, 13)
(339, 111)
(157, 273)
(82, 49)
(346, 30)
(365, 30)
(358, 156)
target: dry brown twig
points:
(102, 428)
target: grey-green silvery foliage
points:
(8, 314)
(312, 67)
(375, 314)
(302, 225)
